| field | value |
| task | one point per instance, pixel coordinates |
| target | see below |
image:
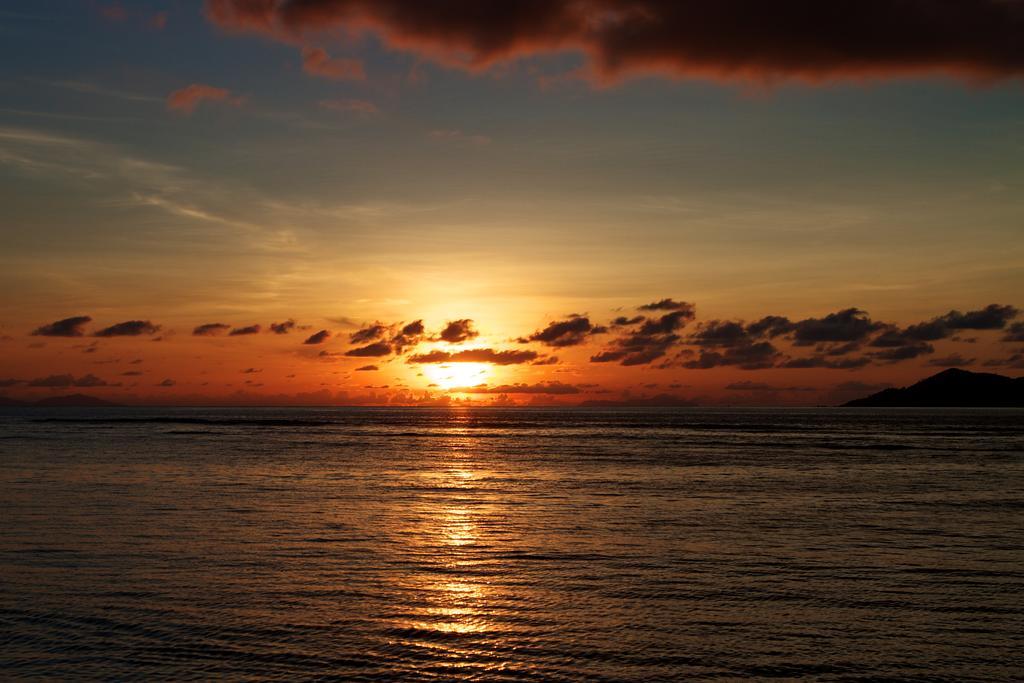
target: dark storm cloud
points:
(210, 329)
(129, 328)
(375, 350)
(570, 332)
(283, 328)
(547, 388)
(242, 331)
(68, 327)
(458, 331)
(317, 337)
(476, 356)
(744, 40)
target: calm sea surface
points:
(422, 544)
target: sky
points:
(630, 201)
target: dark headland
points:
(953, 388)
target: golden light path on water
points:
(456, 596)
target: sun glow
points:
(456, 375)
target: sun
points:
(456, 375)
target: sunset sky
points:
(393, 202)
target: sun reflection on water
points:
(453, 599)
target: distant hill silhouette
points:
(71, 401)
(953, 388)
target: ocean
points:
(422, 544)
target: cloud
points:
(316, 62)
(318, 337)
(904, 352)
(375, 350)
(283, 328)
(1015, 333)
(210, 329)
(571, 332)
(762, 387)
(188, 98)
(652, 339)
(362, 107)
(242, 331)
(1016, 361)
(954, 360)
(129, 328)
(367, 368)
(819, 361)
(851, 324)
(720, 333)
(476, 356)
(68, 327)
(750, 356)
(992, 317)
(734, 40)
(65, 381)
(668, 305)
(167, 383)
(770, 326)
(550, 360)
(10, 382)
(458, 331)
(369, 333)
(546, 388)
(410, 335)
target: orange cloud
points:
(735, 40)
(188, 98)
(316, 62)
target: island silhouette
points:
(953, 388)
